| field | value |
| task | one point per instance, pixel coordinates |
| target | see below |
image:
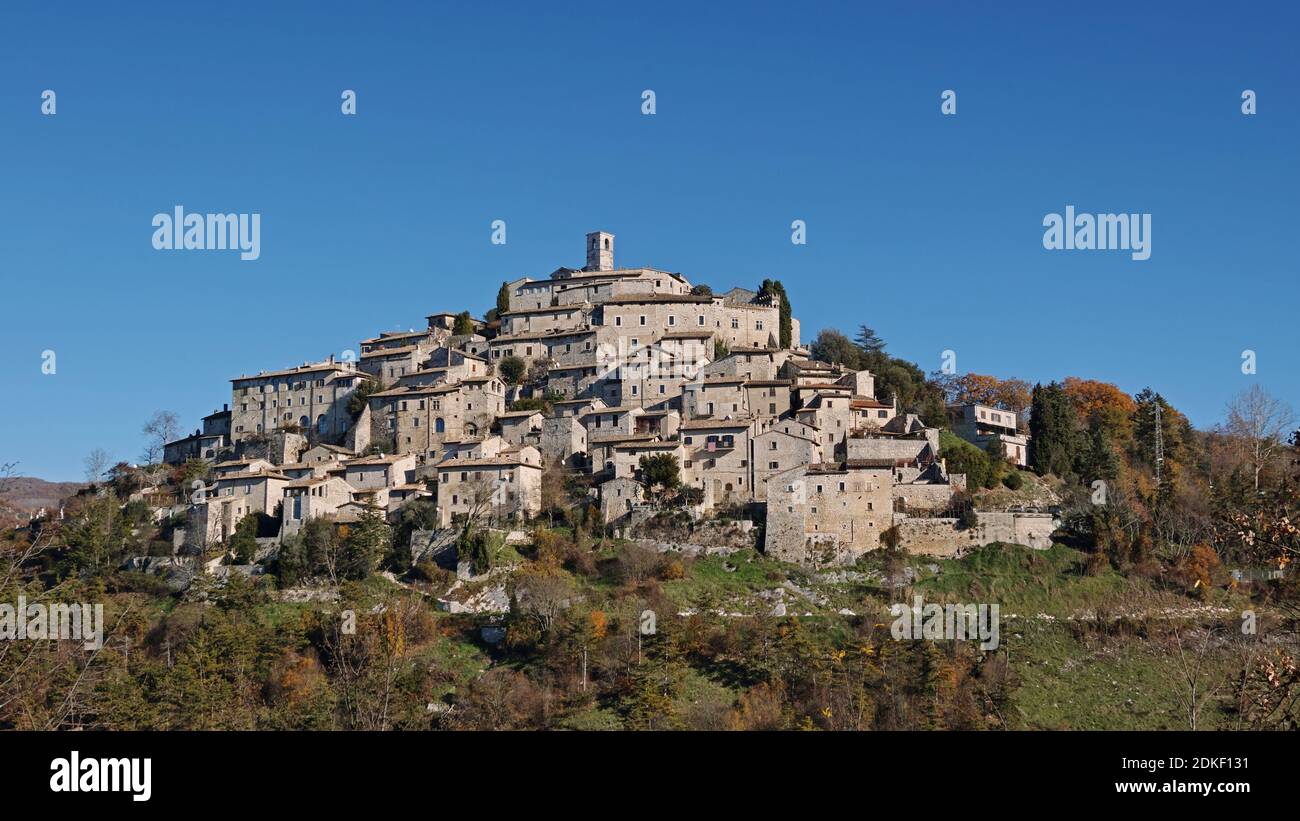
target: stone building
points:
(829, 513)
(311, 497)
(421, 418)
(984, 425)
(716, 458)
(507, 485)
(311, 397)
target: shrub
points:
(1014, 480)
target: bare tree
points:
(1258, 421)
(1193, 676)
(161, 428)
(96, 464)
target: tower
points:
(600, 251)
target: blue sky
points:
(926, 227)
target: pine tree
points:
(503, 299)
(1053, 431)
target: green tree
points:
(503, 299)
(871, 345)
(464, 324)
(244, 541)
(774, 287)
(512, 369)
(660, 470)
(1097, 458)
(361, 396)
(1053, 431)
(963, 457)
(836, 348)
(368, 541)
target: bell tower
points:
(600, 251)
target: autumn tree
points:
(1260, 423)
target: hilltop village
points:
(620, 498)
(655, 392)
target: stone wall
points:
(940, 537)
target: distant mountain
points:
(22, 495)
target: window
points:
(701, 320)
(618, 321)
(672, 320)
(642, 319)
(773, 465)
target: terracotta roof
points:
(492, 461)
(382, 459)
(545, 310)
(402, 351)
(230, 477)
(648, 299)
(318, 367)
(663, 445)
(687, 335)
(707, 424)
(551, 334)
(387, 336)
(308, 481)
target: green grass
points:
(1121, 682)
(709, 583)
(1025, 581)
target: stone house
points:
(778, 449)
(716, 457)
(326, 453)
(518, 427)
(309, 397)
(618, 497)
(422, 418)
(828, 513)
(378, 473)
(563, 438)
(311, 497)
(627, 455)
(505, 486)
(768, 398)
(232, 496)
(719, 395)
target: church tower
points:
(600, 251)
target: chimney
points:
(600, 251)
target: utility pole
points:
(1160, 444)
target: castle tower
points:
(600, 251)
